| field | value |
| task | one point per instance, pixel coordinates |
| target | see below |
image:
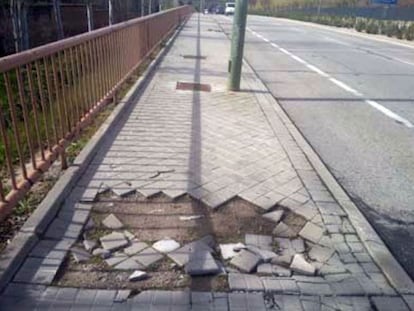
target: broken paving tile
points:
(103, 253)
(90, 224)
(128, 264)
(321, 254)
(311, 232)
(80, 255)
(182, 255)
(246, 261)
(112, 222)
(264, 254)
(116, 259)
(281, 271)
(138, 276)
(274, 216)
(298, 245)
(202, 263)
(227, 250)
(166, 246)
(300, 265)
(284, 231)
(129, 235)
(262, 241)
(135, 248)
(284, 259)
(265, 269)
(271, 269)
(113, 241)
(148, 256)
(90, 245)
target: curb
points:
(369, 237)
(15, 253)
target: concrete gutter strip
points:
(375, 246)
(15, 253)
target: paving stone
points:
(275, 216)
(52, 249)
(116, 258)
(246, 302)
(113, 241)
(166, 246)
(311, 232)
(380, 280)
(128, 264)
(202, 263)
(347, 258)
(135, 248)
(227, 250)
(300, 265)
(369, 287)
(284, 231)
(265, 255)
(38, 271)
(347, 286)
(90, 245)
(315, 289)
(281, 271)
(60, 229)
(342, 248)
(148, 257)
(181, 256)
(284, 259)
(80, 255)
(129, 235)
(362, 257)
(112, 222)
(356, 247)
(389, 303)
(123, 190)
(347, 227)
(265, 269)
(298, 245)
(246, 261)
(370, 267)
(103, 253)
(321, 254)
(122, 296)
(354, 267)
(262, 241)
(245, 282)
(271, 269)
(306, 212)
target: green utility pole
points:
(237, 44)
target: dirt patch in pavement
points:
(157, 218)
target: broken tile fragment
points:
(321, 254)
(262, 241)
(246, 261)
(103, 253)
(112, 222)
(129, 235)
(122, 190)
(113, 241)
(227, 250)
(202, 263)
(80, 255)
(275, 216)
(311, 232)
(264, 254)
(300, 265)
(116, 259)
(89, 245)
(128, 264)
(138, 275)
(148, 256)
(166, 246)
(284, 231)
(135, 248)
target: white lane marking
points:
(318, 71)
(345, 87)
(389, 113)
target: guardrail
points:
(48, 94)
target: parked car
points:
(219, 10)
(229, 8)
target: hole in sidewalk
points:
(187, 86)
(194, 57)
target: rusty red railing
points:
(48, 94)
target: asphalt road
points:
(352, 98)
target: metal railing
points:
(48, 94)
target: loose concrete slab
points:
(246, 261)
(128, 264)
(116, 258)
(103, 253)
(166, 246)
(227, 250)
(138, 276)
(182, 255)
(275, 216)
(202, 263)
(300, 265)
(148, 256)
(262, 241)
(112, 222)
(284, 231)
(264, 254)
(135, 248)
(89, 245)
(321, 254)
(80, 255)
(311, 232)
(113, 241)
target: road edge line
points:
(23, 242)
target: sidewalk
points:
(216, 158)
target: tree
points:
(58, 19)
(18, 14)
(89, 13)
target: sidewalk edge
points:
(15, 253)
(369, 237)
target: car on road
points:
(219, 10)
(229, 10)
